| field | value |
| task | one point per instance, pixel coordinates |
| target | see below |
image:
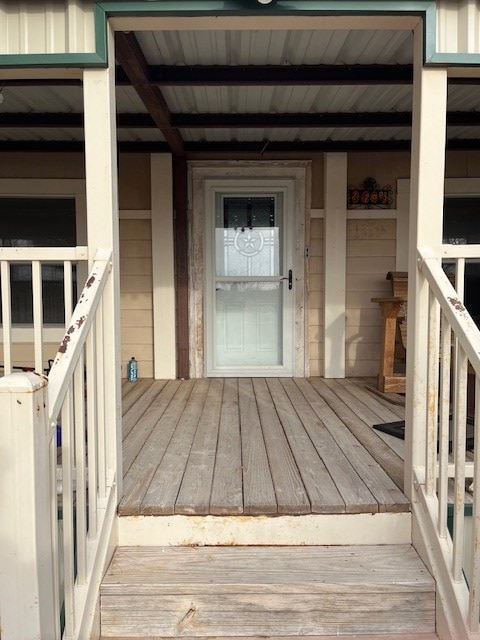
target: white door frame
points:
(298, 172)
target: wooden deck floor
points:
(258, 446)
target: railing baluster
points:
(37, 314)
(67, 289)
(460, 277)
(444, 425)
(80, 467)
(474, 596)
(102, 469)
(68, 514)
(460, 429)
(6, 317)
(92, 432)
(432, 390)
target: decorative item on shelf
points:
(369, 195)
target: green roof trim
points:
(105, 9)
(68, 60)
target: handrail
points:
(452, 354)
(72, 344)
(43, 254)
(464, 327)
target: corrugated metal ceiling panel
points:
(65, 99)
(287, 99)
(292, 134)
(276, 47)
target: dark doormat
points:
(397, 429)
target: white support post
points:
(425, 229)
(102, 232)
(335, 256)
(28, 583)
(164, 336)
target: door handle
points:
(289, 278)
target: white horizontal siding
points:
(55, 26)
(370, 255)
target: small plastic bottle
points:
(132, 370)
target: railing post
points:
(425, 229)
(103, 232)
(28, 578)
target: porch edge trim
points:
(104, 10)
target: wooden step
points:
(266, 591)
(388, 636)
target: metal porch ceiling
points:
(291, 52)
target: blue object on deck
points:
(132, 370)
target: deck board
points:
(161, 495)
(258, 490)
(290, 492)
(195, 490)
(227, 486)
(355, 495)
(321, 489)
(276, 446)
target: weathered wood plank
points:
(386, 493)
(138, 436)
(142, 470)
(295, 569)
(376, 636)
(227, 487)
(355, 495)
(289, 490)
(328, 471)
(381, 413)
(321, 489)
(136, 391)
(132, 416)
(163, 490)
(228, 591)
(195, 490)
(369, 413)
(258, 614)
(258, 491)
(375, 446)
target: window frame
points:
(49, 188)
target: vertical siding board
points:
(315, 297)
(33, 26)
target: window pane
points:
(37, 222)
(461, 226)
(461, 220)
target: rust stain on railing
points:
(457, 304)
(68, 335)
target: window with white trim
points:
(37, 222)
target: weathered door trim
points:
(199, 172)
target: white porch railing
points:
(35, 259)
(59, 468)
(445, 479)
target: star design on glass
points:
(249, 243)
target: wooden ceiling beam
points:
(130, 56)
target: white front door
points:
(250, 281)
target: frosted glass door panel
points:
(247, 252)
(249, 285)
(249, 324)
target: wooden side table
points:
(388, 380)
